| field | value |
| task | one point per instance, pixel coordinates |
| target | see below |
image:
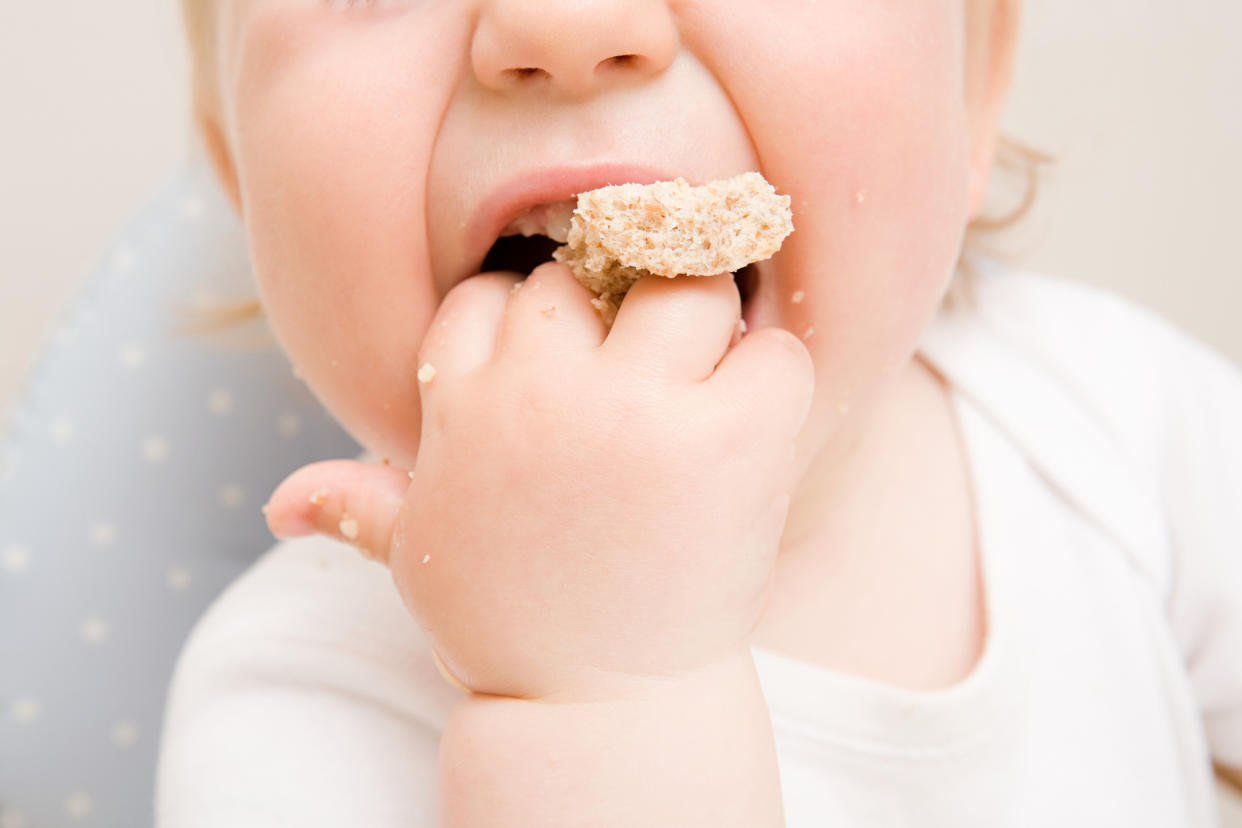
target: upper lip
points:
(547, 185)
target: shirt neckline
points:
(871, 716)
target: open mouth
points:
(522, 254)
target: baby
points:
(874, 562)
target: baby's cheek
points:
(333, 126)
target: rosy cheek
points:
(333, 167)
(877, 168)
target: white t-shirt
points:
(1107, 463)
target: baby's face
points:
(382, 146)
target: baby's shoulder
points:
(1135, 370)
(1106, 399)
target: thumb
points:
(352, 502)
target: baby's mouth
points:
(529, 240)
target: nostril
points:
(618, 62)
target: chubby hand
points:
(589, 509)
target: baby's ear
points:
(217, 147)
(992, 46)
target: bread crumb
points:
(860, 196)
(516, 286)
(809, 333)
(387, 462)
(426, 558)
(797, 297)
(411, 474)
(741, 325)
(266, 506)
(443, 323)
(549, 312)
(349, 528)
(427, 373)
(317, 496)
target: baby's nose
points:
(576, 46)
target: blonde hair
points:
(1014, 160)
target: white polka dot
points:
(132, 355)
(220, 402)
(94, 630)
(14, 819)
(124, 734)
(231, 495)
(289, 425)
(193, 207)
(61, 430)
(178, 578)
(79, 805)
(16, 558)
(103, 533)
(24, 710)
(124, 259)
(155, 449)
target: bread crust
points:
(621, 233)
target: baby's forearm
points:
(695, 751)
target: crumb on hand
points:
(549, 312)
(797, 297)
(349, 528)
(317, 496)
(427, 373)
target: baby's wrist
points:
(589, 685)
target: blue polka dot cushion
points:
(132, 473)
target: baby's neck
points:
(878, 574)
(878, 467)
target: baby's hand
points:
(589, 510)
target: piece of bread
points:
(619, 234)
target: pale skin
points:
(594, 526)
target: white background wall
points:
(1140, 100)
